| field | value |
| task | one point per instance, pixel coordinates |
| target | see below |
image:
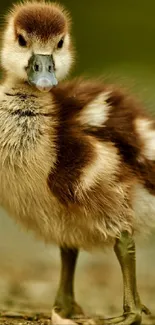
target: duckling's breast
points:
(26, 157)
(27, 154)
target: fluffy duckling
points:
(76, 164)
(37, 44)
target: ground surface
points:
(41, 320)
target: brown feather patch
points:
(119, 129)
(75, 150)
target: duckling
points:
(37, 41)
(76, 163)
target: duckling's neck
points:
(15, 86)
(12, 82)
(25, 120)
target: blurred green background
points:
(114, 39)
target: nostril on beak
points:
(50, 68)
(36, 67)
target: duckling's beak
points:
(41, 73)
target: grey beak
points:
(41, 73)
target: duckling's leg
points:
(65, 304)
(125, 252)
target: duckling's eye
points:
(60, 44)
(21, 41)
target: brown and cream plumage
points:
(76, 164)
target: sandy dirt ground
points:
(29, 275)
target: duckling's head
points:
(37, 46)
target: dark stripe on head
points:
(41, 19)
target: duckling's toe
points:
(56, 319)
(67, 307)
